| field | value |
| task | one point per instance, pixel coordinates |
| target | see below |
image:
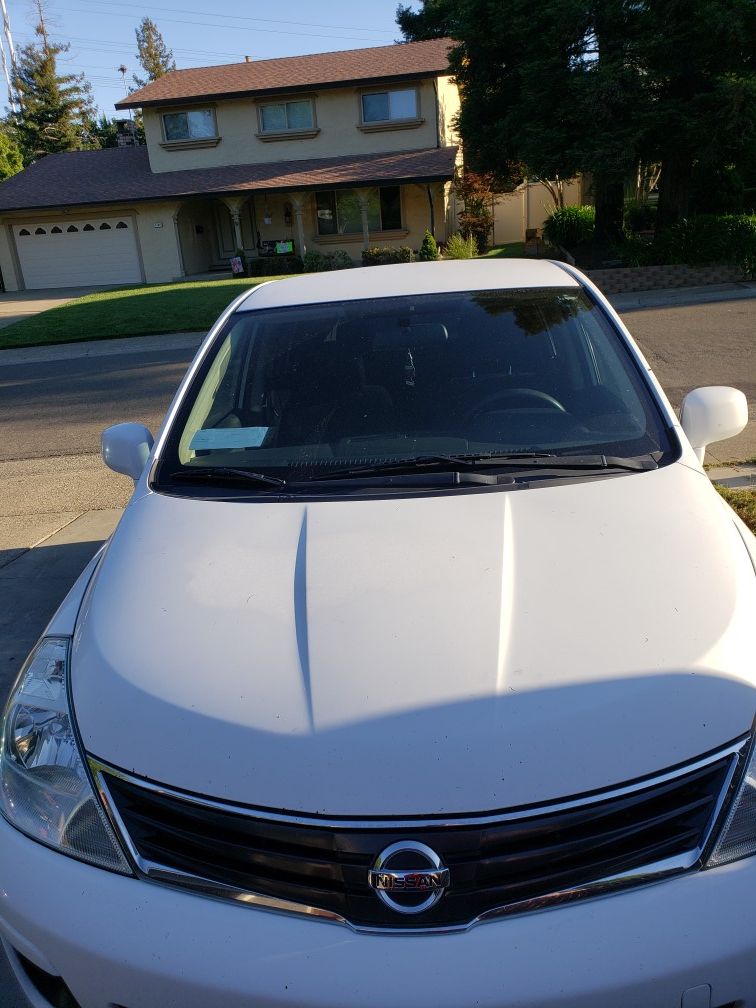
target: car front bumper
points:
(119, 941)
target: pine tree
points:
(11, 161)
(53, 109)
(156, 58)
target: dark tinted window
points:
(397, 377)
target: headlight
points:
(44, 788)
(737, 838)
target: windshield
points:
(301, 390)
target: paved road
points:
(58, 408)
(711, 344)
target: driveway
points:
(17, 305)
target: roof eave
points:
(425, 179)
(291, 89)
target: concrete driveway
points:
(17, 305)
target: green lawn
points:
(514, 250)
(129, 311)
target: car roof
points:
(409, 278)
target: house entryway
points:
(206, 235)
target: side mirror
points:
(126, 448)
(713, 413)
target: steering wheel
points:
(529, 396)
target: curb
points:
(13, 356)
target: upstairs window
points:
(389, 106)
(283, 117)
(199, 124)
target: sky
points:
(101, 33)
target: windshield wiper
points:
(638, 463)
(227, 474)
(514, 460)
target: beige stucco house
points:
(331, 151)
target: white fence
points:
(525, 208)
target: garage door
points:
(78, 253)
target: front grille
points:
(509, 859)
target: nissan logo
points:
(409, 877)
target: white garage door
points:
(78, 253)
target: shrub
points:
(319, 262)
(273, 266)
(385, 256)
(458, 247)
(636, 251)
(341, 260)
(570, 226)
(429, 249)
(639, 216)
(707, 239)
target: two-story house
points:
(331, 151)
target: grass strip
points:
(129, 311)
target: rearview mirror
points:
(126, 448)
(713, 413)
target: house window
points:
(121, 225)
(56, 230)
(280, 117)
(199, 124)
(23, 231)
(339, 212)
(71, 229)
(389, 106)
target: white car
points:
(418, 673)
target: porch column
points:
(234, 208)
(363, 201)
(177, 236)
(298, 206)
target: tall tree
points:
(53, 108)
(547, 89)
(153, 54)
(700, 61)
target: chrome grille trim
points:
(645, 875)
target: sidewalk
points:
(682, 296)
(34, 582)
(736, 477)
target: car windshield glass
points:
(296, 391)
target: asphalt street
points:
(56, 408)
(53, 407)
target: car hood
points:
(426, 655)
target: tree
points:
(547, 90)
(476, 193)
(102, 132)
(700, 60)
(11, 160)
(601, 86)
(153, 54)
(53, 109)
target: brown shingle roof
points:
(122, 175)
(406, 60)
